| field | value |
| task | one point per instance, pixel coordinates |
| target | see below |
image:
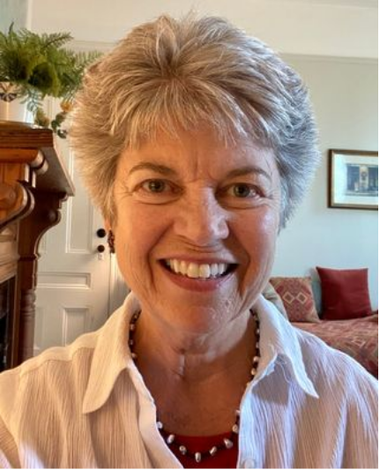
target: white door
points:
(77, 287)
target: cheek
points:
(136, 234)
(259, 242)
(260, 232)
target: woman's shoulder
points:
(62, 372)
(54, 369)
(68, 357)
(52, 356)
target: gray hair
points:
(170, 74)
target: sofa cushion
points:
(344, 293)
(297, 296)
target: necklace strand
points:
(170, 438)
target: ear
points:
(107, 225)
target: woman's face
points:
(196, 227)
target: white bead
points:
(197, 457)
(213, 451)
(159, 425)
(235, 428)
(170, 439)
(228, 443)
(183, 450)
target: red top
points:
(224, 458)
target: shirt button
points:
(248, 463)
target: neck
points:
(197, 381)
(194, 357)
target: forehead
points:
(199, 153)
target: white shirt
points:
(86, 405)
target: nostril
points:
(202, 220)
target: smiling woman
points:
(197, 156)
(195, 203)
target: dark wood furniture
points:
(33, 185)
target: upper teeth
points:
(195, 270)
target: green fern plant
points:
(34, 66)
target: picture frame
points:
(353, 179)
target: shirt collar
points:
(278, 339)
(111, 355)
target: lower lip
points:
(198, 285)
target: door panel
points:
(73, 289)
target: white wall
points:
(344, 92)
(322, 27)
(345, 97)
(17, 12)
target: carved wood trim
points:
(8, 253)
(33, 184)
(45, 215)
(23, 205)
(22, 135)
(33, 157)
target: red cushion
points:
(344, 293)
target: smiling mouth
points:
(201, 271)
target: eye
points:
(242, 190)
(155, 186)
(241, 195)
(156, 191)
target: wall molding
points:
(329, 58)
(86, 46)
(105, 47)
(341, 3)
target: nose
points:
(201, 220)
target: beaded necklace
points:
(170, 438)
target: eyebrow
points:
(167, 171)
(247, 170)
(162, 169)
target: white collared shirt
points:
(86, 405)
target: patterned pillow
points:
(297, 296)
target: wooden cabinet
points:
(33, 185)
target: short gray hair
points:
(169, 74)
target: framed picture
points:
(353, 179)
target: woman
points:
(197, 143)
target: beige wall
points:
(345, 97)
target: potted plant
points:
(34, 66)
